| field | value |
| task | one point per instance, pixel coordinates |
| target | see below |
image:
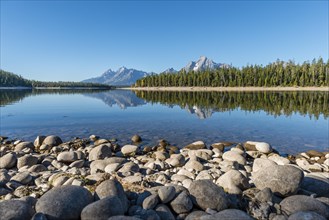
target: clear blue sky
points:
(75, 40)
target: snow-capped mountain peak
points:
(203, 63)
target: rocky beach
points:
(96, 178)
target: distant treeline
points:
(8, 79)
(274, 103)
(279, 73)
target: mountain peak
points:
(203, 63)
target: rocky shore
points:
(95, 178)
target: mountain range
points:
(124, 76)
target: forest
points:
(279, 73)
(312, 104)
(8, 79)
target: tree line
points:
(8, 79)
(312, 104)
(279, 73)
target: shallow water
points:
(290, 121)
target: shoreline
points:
(219, 89)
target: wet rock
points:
(150, 202)
(100, 152)
(103, 209)
(182, 203)
(166, 194)
(8, 161)
(234, 156)
(129, 149)
(23, 145)
(112, 188)
(306, 216)
(233, 182)
(316, 184)
(228, 214)
(15, 209)
(136, 138)
(26, 160)
(282, 180)
(65, 202)
(202, 194)
(52, 140)
(196, 145)
(298, 203)
(164, 212)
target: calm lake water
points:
(291, 121)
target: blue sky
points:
(75, 40)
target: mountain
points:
(203, 63)
(170, 70)
(122, 77)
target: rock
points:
(233, 182)
(103, 209)
(8, 161)
(22, 178)
(306, 216)
(149, 214)
(164, 212)
(26, 160)
(195, 215)
(39, 216)
(202, 194)
(228, 214)
(265, 195)
(128, 169)
(112, 167)
(112, 188)
(234, 156)
(52, 140)
(303, 163)
(67, 156)
(196, 145)
(182, 203)
(136, 138)
(99, 165)
(93, 137)
(100, 152)
(23, 145)
(65, 202)
(282, 180)
(77, 164)
(160, 155)
(263, 147)
(15, 210)
(166, 193)
(314, 153)
(101, 141)
(39, 140)
(219, 146)
(193, 165)
(4, 191)
(279, 160)
(250, 146)
(150, 202)
(123, 217)
(260, 164)
(298, 203)
(133, 179)
(317, 185)
(129, 149)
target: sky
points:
(76, 40)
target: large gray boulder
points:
(52, 140)
(103, 209)
(233, 182)
(112, 188)
(8, 161)
(64, 202)
(206, 194)
(26, 160)
(182, 203)
(282, 180)
(306, 216)
(15, 210)
(100, 152)
(228, 214)
(298, 203)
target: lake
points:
(291, 122)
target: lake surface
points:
(290, 121)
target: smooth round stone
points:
(38, 141)
(233, 182)
(26, 160)
(194, 165)
(150, 202)
(306, 216)
(164, 212)
(279, 160)
(298, 203)
(202, 194)
(136, 138)
(228, 214)
(23, 178)
(100, 152)
(103, 209)
(8, 161)
(23, 145)
(196, 145)
(129, 149)
(52, 140)
(15, 209)
(316, 184)
(67, 156)
(261, 163)
(195, 215)
(123, 217)
(263, 147)
(112, 167)
(166, 193)
(234, 156)
(182, 203)
(112, 188)
(65, 202)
